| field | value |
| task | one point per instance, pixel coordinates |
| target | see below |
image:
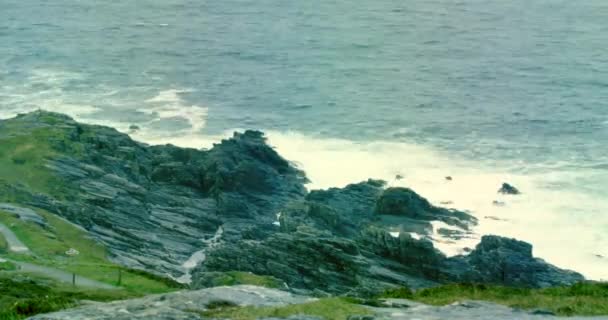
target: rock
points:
(187, 305)
(24, 214)
(404, 202)
(177, 306)
(151, 205)
(358, 317)
(448, 178)
(509, 262)
(134, 127)
(508, 189)
(465, 310)
(499, 203)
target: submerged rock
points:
(508, 189)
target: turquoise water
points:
(485, 91)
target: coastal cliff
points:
(200, 217)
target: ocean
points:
(483, 91)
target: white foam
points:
(168, 104)
(415, 236)
(448, 246)
(394, 234)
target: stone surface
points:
(24, 214)
(466, 310)
(186, 305)
(180, 305)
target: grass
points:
(23, 159)
(24, 296)
(328, 309)
(49, 247)
(586, 299)
(3, 244)
(7, 266)
(232, 278)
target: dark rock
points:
(357, 317)
(151, 205)
(510, 262)
(448, 178)
(405, 202)
(508, 189)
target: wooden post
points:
(74, 279)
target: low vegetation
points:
(23, 296)
(328, 308)
(580, 299)
(232, 278)
(7, 266)
(3, 244)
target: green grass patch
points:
(3, 244)
(23, 159)
(8, 266)
(580, 299)
(49, 249)
(328, 308)
(232, 278)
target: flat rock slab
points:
(177, 306)
(468, 310)
(25, 214)
(186, 304)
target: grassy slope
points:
(23, 156)
(49, 247)
(22, 160)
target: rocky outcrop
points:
(240, 206)
(154, 206)
(508, 261)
